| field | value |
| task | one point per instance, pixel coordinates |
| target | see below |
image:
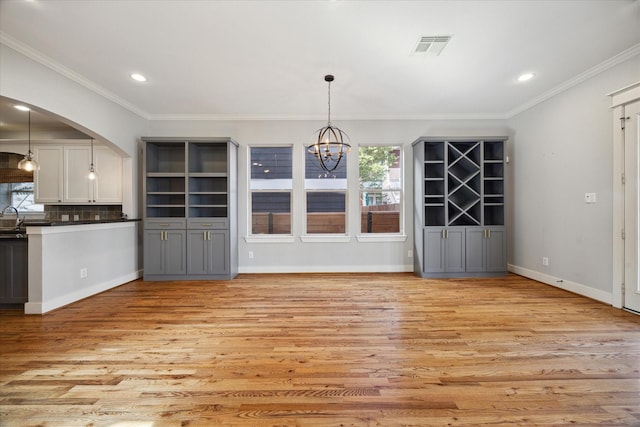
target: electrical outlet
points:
(409, 253)
(83, 273)
(250, 254)
(545, 260)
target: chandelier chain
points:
(329, 105)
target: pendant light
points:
(28, 163)
(92, 169)
(330, 145)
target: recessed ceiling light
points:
(524, 77)
(138, 77)
(22, 107)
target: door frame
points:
(619, 99)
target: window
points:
(380, 174)
(326, 197)
(19, 195)
(271, 185)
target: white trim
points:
(567, 285)
(61, 301)
(591, 72)
(270, 238)
(43, 59)
(406, 268)
(315, 117)
(381, 237)
(625, 95)
(325, 238)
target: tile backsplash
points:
(84, 212)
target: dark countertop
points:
(21, 233)
(57, 223)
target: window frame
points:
(340, 185)
(252, 237)
(400, 235)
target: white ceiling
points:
(267, 59)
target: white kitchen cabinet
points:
(63, 175)
(108, 184)
(78, 188)
(48, 177)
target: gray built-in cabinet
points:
(190, 208)
(459, 214)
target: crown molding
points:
(43, 59)
(345, 117)
(591, 72)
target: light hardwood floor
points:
(323, 350)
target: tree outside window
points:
(380, 176)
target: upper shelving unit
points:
(463, 183)
(186, 179)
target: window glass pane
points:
(318, 179)
(326, 212)
(380, 176)
(271, 213)
(271, 184)
(19, 195)
(271, 168)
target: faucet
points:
(18, 221)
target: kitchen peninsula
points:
(69, 261)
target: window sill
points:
(372, 238)
(325, 238)
(270, 238)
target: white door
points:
(631, 209)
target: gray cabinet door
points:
(165, 252)
(14, 283)
(199, 252)
(175, 252)
(486, 249)
(496, 249)
(475, 249)
(444, 250)
(433, 250)
(208, 252)
(153, 252)
(455, 250)
(219, 241)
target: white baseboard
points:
(567, 285)
(62, 300)
(332, 269)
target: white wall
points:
(298, 256)
(30, 82)
(562, 150)
(106, 252)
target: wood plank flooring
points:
(323, 350)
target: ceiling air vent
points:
(431, 45)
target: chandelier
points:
(330, 146)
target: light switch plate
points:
(589, 197)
